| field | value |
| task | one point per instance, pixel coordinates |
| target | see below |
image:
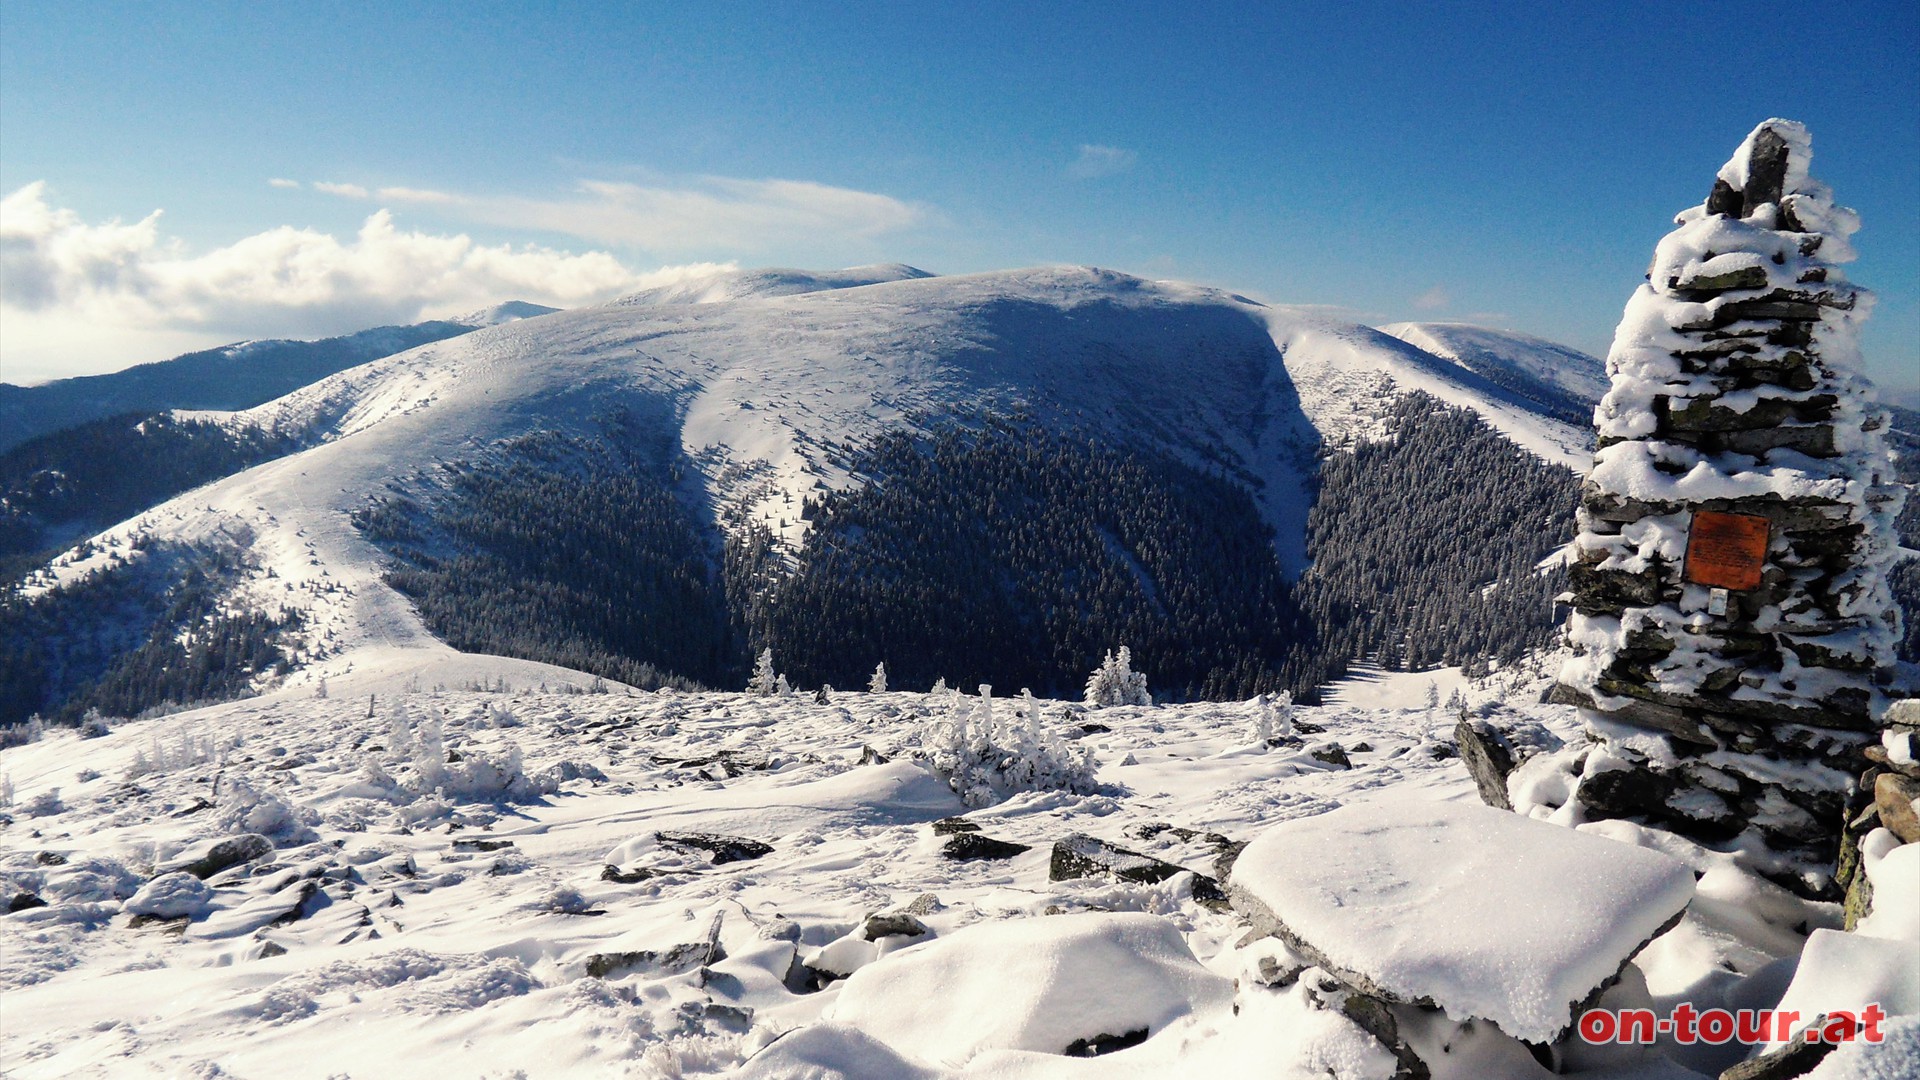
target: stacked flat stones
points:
(1735, 389)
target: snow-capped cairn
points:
(1729, 586)
(1115, 682)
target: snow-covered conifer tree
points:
(1272, 717)
(1115, 682)
(764, 682)
(878, 684)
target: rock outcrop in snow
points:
(1729, 579)
(1394, 902)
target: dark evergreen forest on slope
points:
(569, 553)
(1015, 556)
(147, 631)
(996, 552)
(60, 488)
(1904, 437)
(990, 551)
(1425, 548)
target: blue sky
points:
(1508, 164)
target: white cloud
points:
(57, 270)
(697, 214)
(1434, 299)
(283, 182)
(1096, 161)
(415, 195)
(707, 214)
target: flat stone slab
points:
(1479, 912)
(1078, 855)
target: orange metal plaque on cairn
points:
(1726, 551)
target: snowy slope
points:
(510, 311)
(457, 934)
(1550, 373)
(756, 389)
(233, 376)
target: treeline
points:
(1015, 556)
(566, 551)
(992, 550)
(1424, 546)
(147, 631)
(62, 487)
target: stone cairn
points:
(1730, 606)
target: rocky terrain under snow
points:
(495, 878)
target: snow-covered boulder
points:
(1039, 984)
(1481, 913)
(1879, 962)
(210, 857)
(171, 896)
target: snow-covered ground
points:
(530, 920)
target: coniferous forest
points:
(994, 551)
(62, 487)
(145, 632)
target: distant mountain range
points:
(237, 376)
(983, 478)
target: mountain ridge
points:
(764, 406)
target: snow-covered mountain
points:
(765, 402)
(509, 311)
(723, 285)
(1561, 380)
(236, 376)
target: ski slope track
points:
(756, 372)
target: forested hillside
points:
(60, 488)
(994, 551)
(1016, 556)
(1427, 546)
(147, 631)
(565, 551)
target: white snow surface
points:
(504, 312)
(1880, 961)
(1403, 895)
(730, 283)
(456, 928)
(1510, 355)
(1030, 984)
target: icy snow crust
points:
(756, 373)
(1485, 913)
